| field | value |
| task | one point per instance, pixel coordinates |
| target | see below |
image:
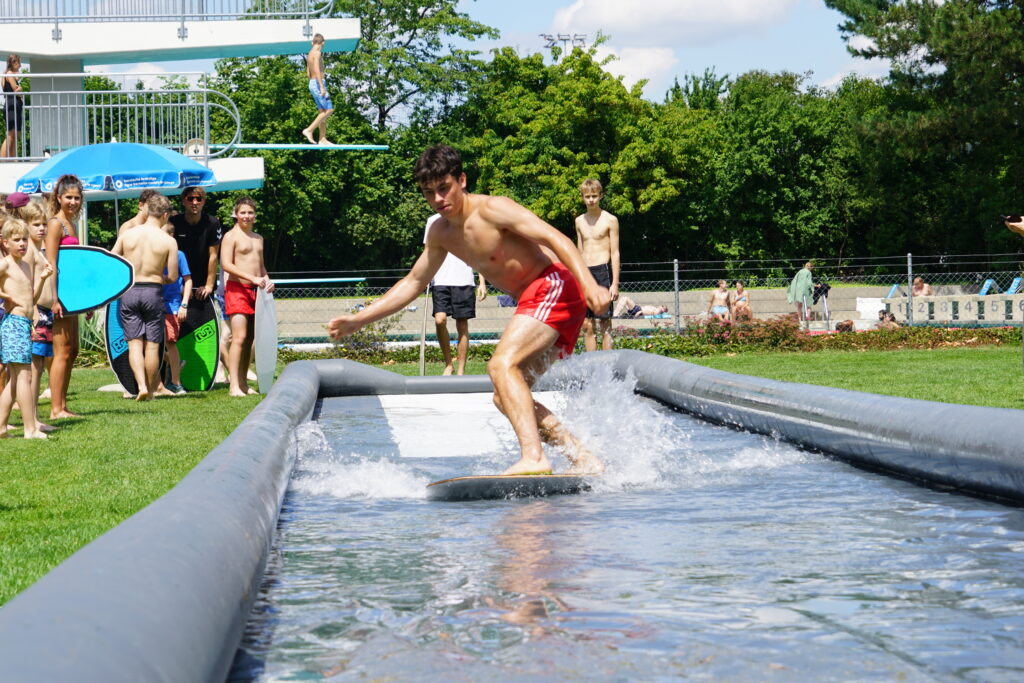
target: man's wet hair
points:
(145, 195)
(437, 162)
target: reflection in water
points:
(530, 561)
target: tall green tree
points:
(407, 58)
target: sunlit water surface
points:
(704, 553)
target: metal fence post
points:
(675, 286)
(910, 288)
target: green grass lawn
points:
(982, 375)
(97, 470)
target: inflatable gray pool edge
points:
(165, 595)
(973, 449)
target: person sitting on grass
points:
(741, 303)
(20, 289)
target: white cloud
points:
(668, 21)
(877, 68)
(635, 63)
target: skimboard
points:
(199, 345)
(90, 277)
(265, 340)
(502, 486)
(117, 348)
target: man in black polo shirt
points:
(198, 235)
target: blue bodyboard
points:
(90, 277)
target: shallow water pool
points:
(704, 553)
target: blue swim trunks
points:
(16, 339)
(44, 349)
(322, 102)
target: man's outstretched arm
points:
(395, 299)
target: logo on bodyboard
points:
(205, 332)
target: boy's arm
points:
(613, 249)
(41, 272)
(398, 297)
(579, 234)
(186, 294)
(481, 287)
(265, 281)
(520, 220)
(172, 262)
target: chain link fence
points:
(965, 289)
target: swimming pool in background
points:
(703, 553)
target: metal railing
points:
(858, 290)
(181, 11)
(52, 120)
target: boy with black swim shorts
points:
(452, 295)
(517, 252)
(597, 238)
(152, 252)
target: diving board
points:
(306, 146)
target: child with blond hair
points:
(20, 289)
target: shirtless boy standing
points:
(151, 251)
(318, 89)
(520, 254)
(241, 257)
(597, 237)
(19, 289)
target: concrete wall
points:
(165, 595)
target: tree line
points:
(724, 167)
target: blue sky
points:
(662, 39)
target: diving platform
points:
(119, 42)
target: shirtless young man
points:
(241, 257)
(141, 215)
(720, 305)
(151, 251)
(318, 89)
(597, 237)
(521, 254)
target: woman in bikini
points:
(14, 106)
(65, 204)
(741, 303)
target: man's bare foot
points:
(524, 466)
(164, 391)
(249, 391)
(46, 393)
(63, 414)
(447, 370)
(5, 434)
(35, 435)
(143, 395)
(325, 141)
(237, 393)
(309, 135)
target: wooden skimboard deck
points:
(265, 340)
(504, 486)
(89, 277)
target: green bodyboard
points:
(199, 346)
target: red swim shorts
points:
(239, 298)
(555, 299)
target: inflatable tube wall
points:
(165, 595)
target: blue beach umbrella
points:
(118, 167)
